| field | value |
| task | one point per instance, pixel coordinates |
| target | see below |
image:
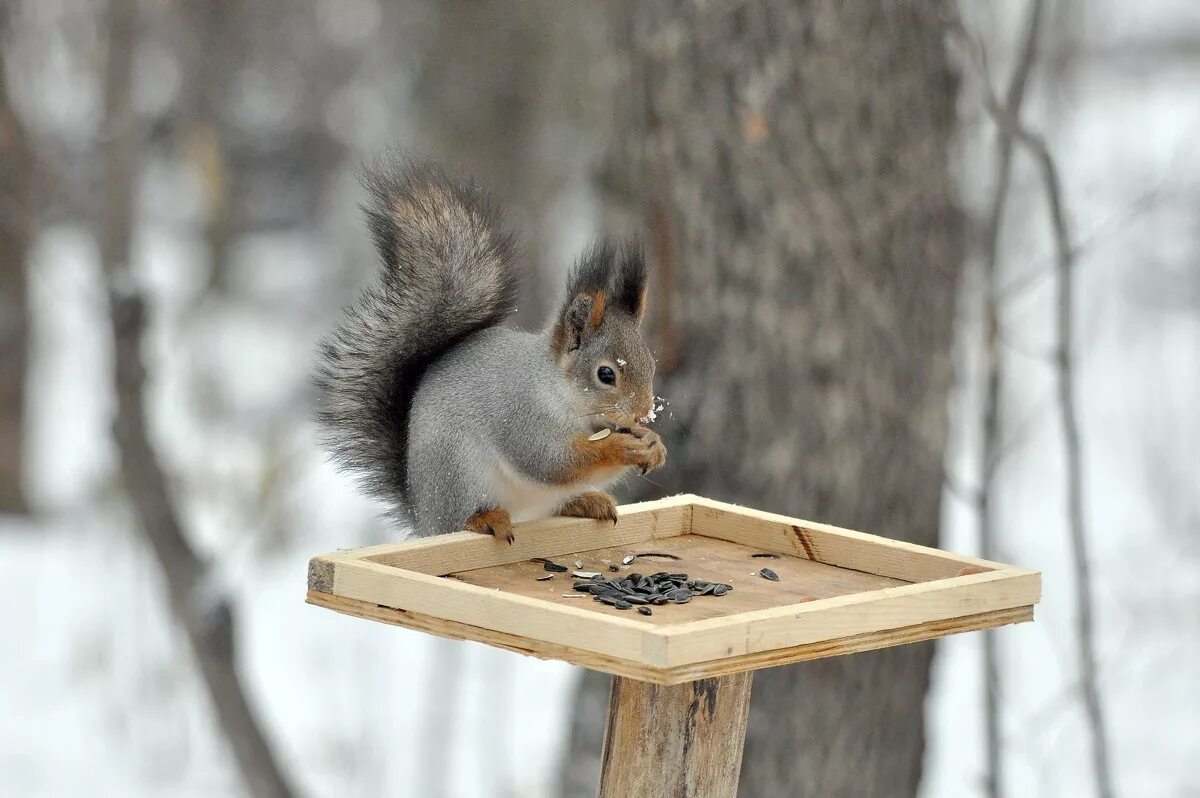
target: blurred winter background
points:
(195, 162)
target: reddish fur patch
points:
(642, 448)
(593, 504)
(597, 310)
(495, 522)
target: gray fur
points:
(443, 412)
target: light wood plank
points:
(850, 615)
(830, 544)
(550, 537)
(701, 558)
(453, 600)
(677, 675)
(682, 740)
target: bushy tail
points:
(446, 273)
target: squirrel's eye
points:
(606, 375)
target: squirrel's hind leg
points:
(593, 504)
(494, 521)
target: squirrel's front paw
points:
(495, 522)
(644, 449)
(592, 504)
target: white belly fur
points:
(527, 500)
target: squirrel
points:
(456, 422)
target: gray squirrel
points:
(456, 422)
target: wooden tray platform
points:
(838, 592)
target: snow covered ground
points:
(98, 698)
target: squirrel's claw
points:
(494, 521)
(593, 504)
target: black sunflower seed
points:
(662, 554)
(555, 567)
(658, 601)
(632, 599)
(645, 611)
(721, 590)
(766, 555)
(683, 599)
(767, 573)
(622, 605)
(539, 559)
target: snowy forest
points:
(923, 269)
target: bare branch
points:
(208, 623)
(994, 358)
(1011, 124)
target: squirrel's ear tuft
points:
(629, 282)
(575, 322)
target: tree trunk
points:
(789, 161)
(17, 209)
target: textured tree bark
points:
(680, 740)
(17, 209)
(797, 153)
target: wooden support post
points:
(678, 740)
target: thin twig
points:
(1064, 262)
(208, 622)
(989, 457)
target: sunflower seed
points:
(632, 599)
(662, 554)
(628, 559)
(539, 559)
(683, 599)
(766, 556)
(555, 567)
(601, 435)
(622, 605)
(585, 574)
(544, 578)
(645, 611)
(721, 590)
(767, 573)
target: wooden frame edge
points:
(834, 545)
(849, 615)
(672, 675)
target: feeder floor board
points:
(838, 592)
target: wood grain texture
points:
(549, 537)
(700, 558)
(675, 740)
(668, 675)
(829, 544)
(512, 604)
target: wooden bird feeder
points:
(681, 692)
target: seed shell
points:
(555, 567)
(767, 573)
(601, 435)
